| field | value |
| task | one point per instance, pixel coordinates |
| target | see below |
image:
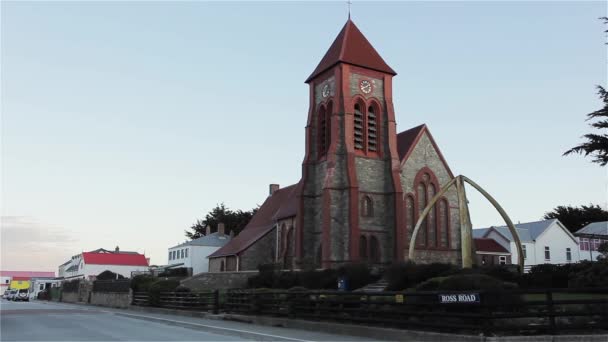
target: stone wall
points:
(69, 297)
(220, 280)
(262, 251)
(111, 299)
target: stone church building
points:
(363, 185)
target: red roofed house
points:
(363, 184)
(89, 264)
(489, 252)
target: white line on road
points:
(209, 326)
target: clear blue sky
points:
(122, 123)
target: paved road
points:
(43, 321)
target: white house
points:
(193, 254)
(590, 238)
(39, 284)
(89, 264)
(543, 242)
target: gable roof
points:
(595, 228)
(488, 246)
(351, 47)
(528, 231)
(282, 202)
(407, 140)
(125, 259)
(211, 240)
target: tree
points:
(109, 275)
(596, 145)
(575, 218)
(234, 221)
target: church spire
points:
(351, 47)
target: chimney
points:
(207, 230)
(116, 250)
(220, 229)
(273, 188)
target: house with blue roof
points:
(543, 242)
(590, 238)
(194, 253)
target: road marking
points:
(210, 326)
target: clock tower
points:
(348, 204)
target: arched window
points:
(374, 249)
(283, 247)
(432, 219)
(367, 207)
(444, 215)
(410, 216)
(359, 125)
(372, 137)
(322, 131)
(288, 259)
(363, 248)
(421, 194)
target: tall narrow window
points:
(421, 238)
(568, 254)
(547, 253)
(432, 217)
(363, 248)
(328, 114)
(289, 248)
(409, 217)
(523, 248)
(322, 131)
(374, 249)
(445, 223)
(358, 127)
(367, 207)
(372, 138)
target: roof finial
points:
(349, 3)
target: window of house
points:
(174, 255)
(523, 248)
(6, 281)
(183, 253)
(568, 254)
(432, 228)
(585, 244)
(169, 255)
(483, 260)
(421, 238)
(41, 287)
(374, 249)
(409, 216)
(186, 251)
(547, 253)
(322, 138)
(502, 260)
(596, 244)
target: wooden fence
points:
(524, 311)
(202, 301)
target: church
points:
(363, 185)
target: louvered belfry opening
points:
(358, 128)
(322, 132)
(371, 130)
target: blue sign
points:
(459, 298)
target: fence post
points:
(216, 301)
(552, 323)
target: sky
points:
(125, 122)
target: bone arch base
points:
(466, 229)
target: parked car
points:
(11, 294)
(22, 295)
(5, 294)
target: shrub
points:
(402, 276)
(175, 272)
(590, 274)
(109, 275)
(71, 285)
(158, 287)
(285, 280)
(182, 288)
(496, 290)
(325, 279)
(142, 283)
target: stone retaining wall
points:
(69, 297)
(219, 280)
(111, 299)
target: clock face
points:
(365, 86)
(325, 90)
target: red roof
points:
(407, 139)
(488, 246)
(127, 259)
(26, 274)
(282, 204)
(351, 47)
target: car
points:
(22, 296)
(5, 294)
(11, 294)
